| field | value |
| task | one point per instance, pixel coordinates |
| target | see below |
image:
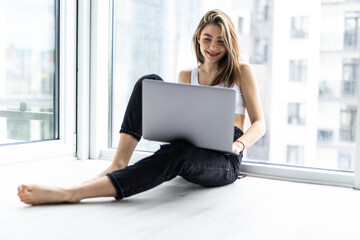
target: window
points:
(262, 10)
(316, 117)
(351, 35)
(260, 150)
(328, 89)
(298, 70)
(240, 24)
(296, 113)
(347, 124)
(295, 155)
(345, 161)
(28, 71)
(37, 79)
(350, 77)
(158, 40)
(261, 51)
(299, 27)
(325, 136)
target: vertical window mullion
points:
(83, 79)
(99, 75)
(357, 146)
(57, 71)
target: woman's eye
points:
(207, 39)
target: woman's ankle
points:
(118, 165)
(72, 195)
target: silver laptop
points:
(201, 115)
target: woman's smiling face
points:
(211, 43)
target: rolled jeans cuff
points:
(117, 186)
(134, 134)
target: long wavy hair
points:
(229, 65)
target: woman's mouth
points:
(212, 54)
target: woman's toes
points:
(24, 193)
(26, 188)
(22, 199)
(23, 188)
(23, 196)
(27, 201)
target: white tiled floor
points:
(251, 208)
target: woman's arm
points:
(250, 92)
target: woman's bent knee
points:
(150, 77)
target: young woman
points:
(217, 52)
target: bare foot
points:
(111, 168)
(35, 194)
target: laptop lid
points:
(201, 115)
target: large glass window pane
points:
(149, 37)
(262, 10)
(298, 70)
(296, 113)
(295, 155)
(352, 30)
(299, 27)
(350, 77)
(261, 51)
(308, 90)
(28, 79)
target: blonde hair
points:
(229, 65)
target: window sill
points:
(273, 171)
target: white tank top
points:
(240, 107)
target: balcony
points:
(338, 90)
(340, 43)
(342, 138)
(333, 2)
(25, 126)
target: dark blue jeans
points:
(201, 166)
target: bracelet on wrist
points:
(241, 144)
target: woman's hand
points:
(238, 146)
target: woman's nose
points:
(213, 45)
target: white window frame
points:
(83, 78)
(64, 146)
(100, 120)
(93, 77)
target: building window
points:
(350, 77)
(298, 71)
(262, 10)
(345, 161)
(328, 89)
(347, 124)
(295, 155)
(296, 113)
(240, 25)
(261, 51)
(325, 136)
(299, 27)
(351, 34)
